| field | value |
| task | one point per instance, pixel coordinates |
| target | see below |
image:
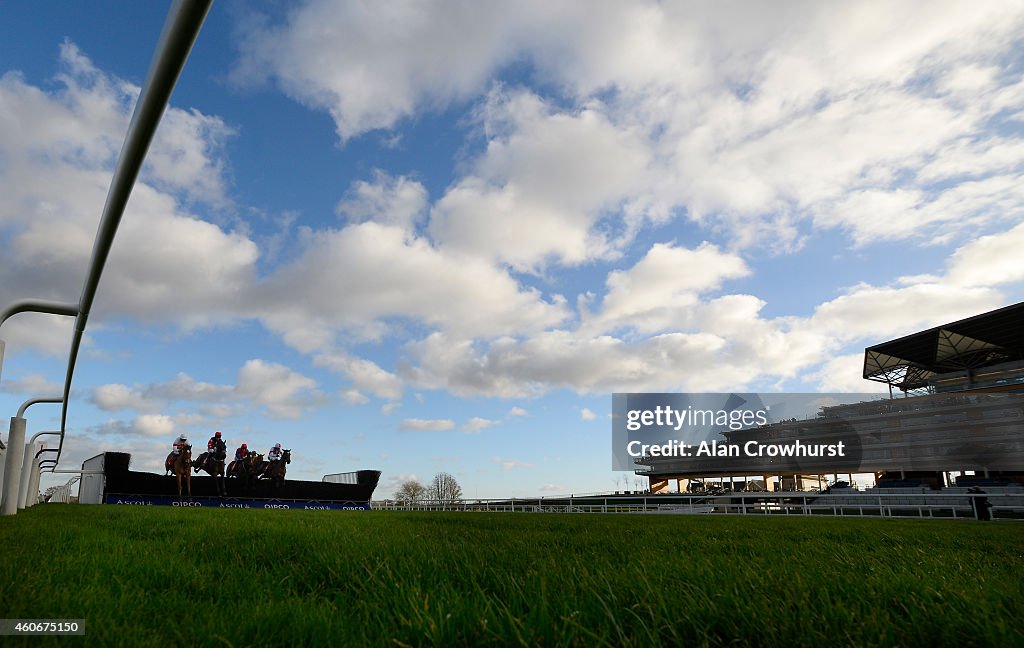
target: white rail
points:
(933, 505)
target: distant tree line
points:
(444, 489)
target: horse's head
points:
(286, 455)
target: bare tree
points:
(410, 492)
(445, 489)
(639, 484)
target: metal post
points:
(27, 469)
(33, 485)
(12, 467)
(26, 474)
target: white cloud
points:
(989, 260)
(517, 411)
(510, 368)
(394, 482)
(370, 69)
(166, 264)
(745, 348)
(285, 393)
(513, 464)
(400, 202)
(184, 387)
(353, 397)
(282, 391)
(436, 425)
(657, 110)
(843, 374)
(113, 397)
(543, 184)
(186, 155)
(146, 453)
(655, 293)
(476, 424)
(646, 112)
(153, 425)
(877, 312)
(35, 385)
(587, 415)
(353, 278)
(364, 374)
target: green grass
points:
(165, 576)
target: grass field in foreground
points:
(171, 577)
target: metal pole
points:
(33, 485)
(33, 306)
(16, 446)
(179, 34)
(26, 474)
(27, 469)
(12, 467)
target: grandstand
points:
(961, 414)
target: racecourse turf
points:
(156, 576)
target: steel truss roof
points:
(909, 362)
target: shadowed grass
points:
(160, 576)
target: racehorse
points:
(246, 469)
(181, 468)
(213, 467)
(276, 470)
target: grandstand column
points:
(12, 467)
(682, 485)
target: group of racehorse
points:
(247, 470)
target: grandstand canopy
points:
(969, 344)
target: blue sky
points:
(420, 238)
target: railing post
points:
(33, 484)
(12, 467)
(26, 474)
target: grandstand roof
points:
(980, 341)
